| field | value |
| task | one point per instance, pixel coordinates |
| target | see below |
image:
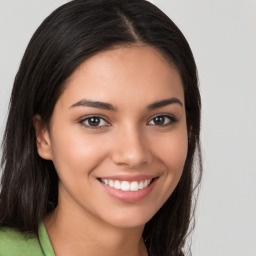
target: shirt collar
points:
(45, 241)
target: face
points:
(118, 136)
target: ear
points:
(43, 141)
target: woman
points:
(102, 135)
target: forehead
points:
(126, 73)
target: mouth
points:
(124, 185)
(128, 189)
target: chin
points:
(130, 218)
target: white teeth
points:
(141, 185)
(125, 185)
(111, 183)
(117, 184)
(134, 186)
(105, 181)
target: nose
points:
(131, 148)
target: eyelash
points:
(171, 121)
(171, 118)
(90, 118)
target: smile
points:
(126, 185)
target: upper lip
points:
(129, 177)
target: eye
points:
(162, 120)
(94, 122)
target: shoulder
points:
(13, 242)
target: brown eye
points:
(159, 120)
(162, 120)
(94, 122)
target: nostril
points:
(132, 158)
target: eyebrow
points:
(94, 104)
(163, 103)
(107, 106)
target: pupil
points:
(94, 121)
(159, 120)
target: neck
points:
(77, 234)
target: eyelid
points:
(172, 118)
(85, 118)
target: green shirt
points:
(15, 243)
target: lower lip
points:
(129, 196)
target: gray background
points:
(222, 35)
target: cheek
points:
(173, 151)
(75, 153)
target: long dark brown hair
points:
(71, 34)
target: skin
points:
(127, 142)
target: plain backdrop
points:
(222, 35)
